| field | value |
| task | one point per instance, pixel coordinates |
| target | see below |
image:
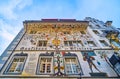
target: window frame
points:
(91, 42)
(42, 43)
(11, 62)
(74, 43)
(96, 32)
(78, 64)
(38, 65)
(83, 32)
(104, 42)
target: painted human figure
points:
(90, 59)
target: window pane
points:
(13, 66)
(74, 68)
(45, 43)
(66, 43)
(74, 43)
(70, 43)
(22, 59)
(68, 68)
(116, 44)
(45, 65)
(19, 67)
(71, 65)
(91, 43)
(42, 69)
(40, 43)
(17, 64)
(96, 32)
(80, 43)
(103, 43)
(82, 32)
(48, 68)
(15, 59)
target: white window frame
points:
(74, 43)
(18, 63)
(39, 65)
(71, 67)
(103, 43)
(91, 43)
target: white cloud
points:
(5, 35)
(5, 30)
(15, 11)
(9, 26)
(8, 10)
(87, 8)
(24, 3)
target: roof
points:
(54, 20)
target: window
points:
(17, 64)
(45, 65)
(90, 26)
(77, 43)
(98, 26)
(96, 32)
(42, 43)
(91, 43)
(80, 44)
(82, 32)
(70, 43)
(66, 32)
(32, 32)
(66, 43)
(103, 43)
(71, 65)
(117, 44)
(73, 43)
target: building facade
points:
(63, 49)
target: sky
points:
(14, 12)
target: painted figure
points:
(90, 59)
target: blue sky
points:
(14, 12)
